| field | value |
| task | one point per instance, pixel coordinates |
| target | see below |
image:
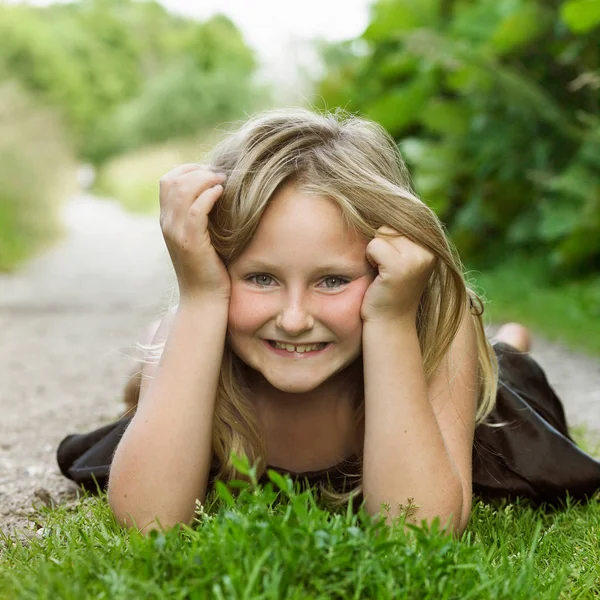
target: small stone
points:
(44, 495)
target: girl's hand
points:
(404, 270)
(187, 194)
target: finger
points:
(388, 234)
(196, 222)
(386, 229)
(187, 188)
(381, 254)
(169, 179)
(410, 249)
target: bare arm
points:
(162, 463)
(419, 438)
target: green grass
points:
(568, 312)
(277, 541)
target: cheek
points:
(343, 311)
(246, 311)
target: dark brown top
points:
(532, 455)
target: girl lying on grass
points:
(324, 328)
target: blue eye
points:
(259, 280)
(341, 280)
(256, 277)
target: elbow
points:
(452, 509)
(451, 516)
(455, 515)
(126, 513)
(130, 513)
(144, 521)
(465, 515)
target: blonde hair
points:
(354, 162)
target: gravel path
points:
(68, 322)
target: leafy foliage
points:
(37, 171)
(494, 104)
(128, 73)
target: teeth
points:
(300, 349)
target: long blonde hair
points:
(354, 162)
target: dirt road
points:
(68, 322)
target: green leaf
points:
(581, 16)
(241, 463)
(468, 79)
(557, 219)
(446, 117)
(396, 65)
(474, 22)
(390, 17)
(285, 484)
(520, 28)
(435, 167)
(223, 493)
(577, 249)
(402, 105)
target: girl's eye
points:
(340, 280)
(261, 277)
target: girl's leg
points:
(516, 335)
(131, 392)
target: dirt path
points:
(67, 325)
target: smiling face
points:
(300, 281)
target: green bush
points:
(494, 104)
(78, 57)
(36, 175)
(178, 103)
(124, 74)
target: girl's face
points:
(300, 281)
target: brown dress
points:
(531, 455)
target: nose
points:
(295, 318)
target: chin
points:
(290, 386)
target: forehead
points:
(305, 223)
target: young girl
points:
(324, 328)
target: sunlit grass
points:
(278, 541)
(568, 312)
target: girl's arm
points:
(162, 463)
(419, 438)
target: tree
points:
(494, 104)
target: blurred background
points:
(494, 105)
